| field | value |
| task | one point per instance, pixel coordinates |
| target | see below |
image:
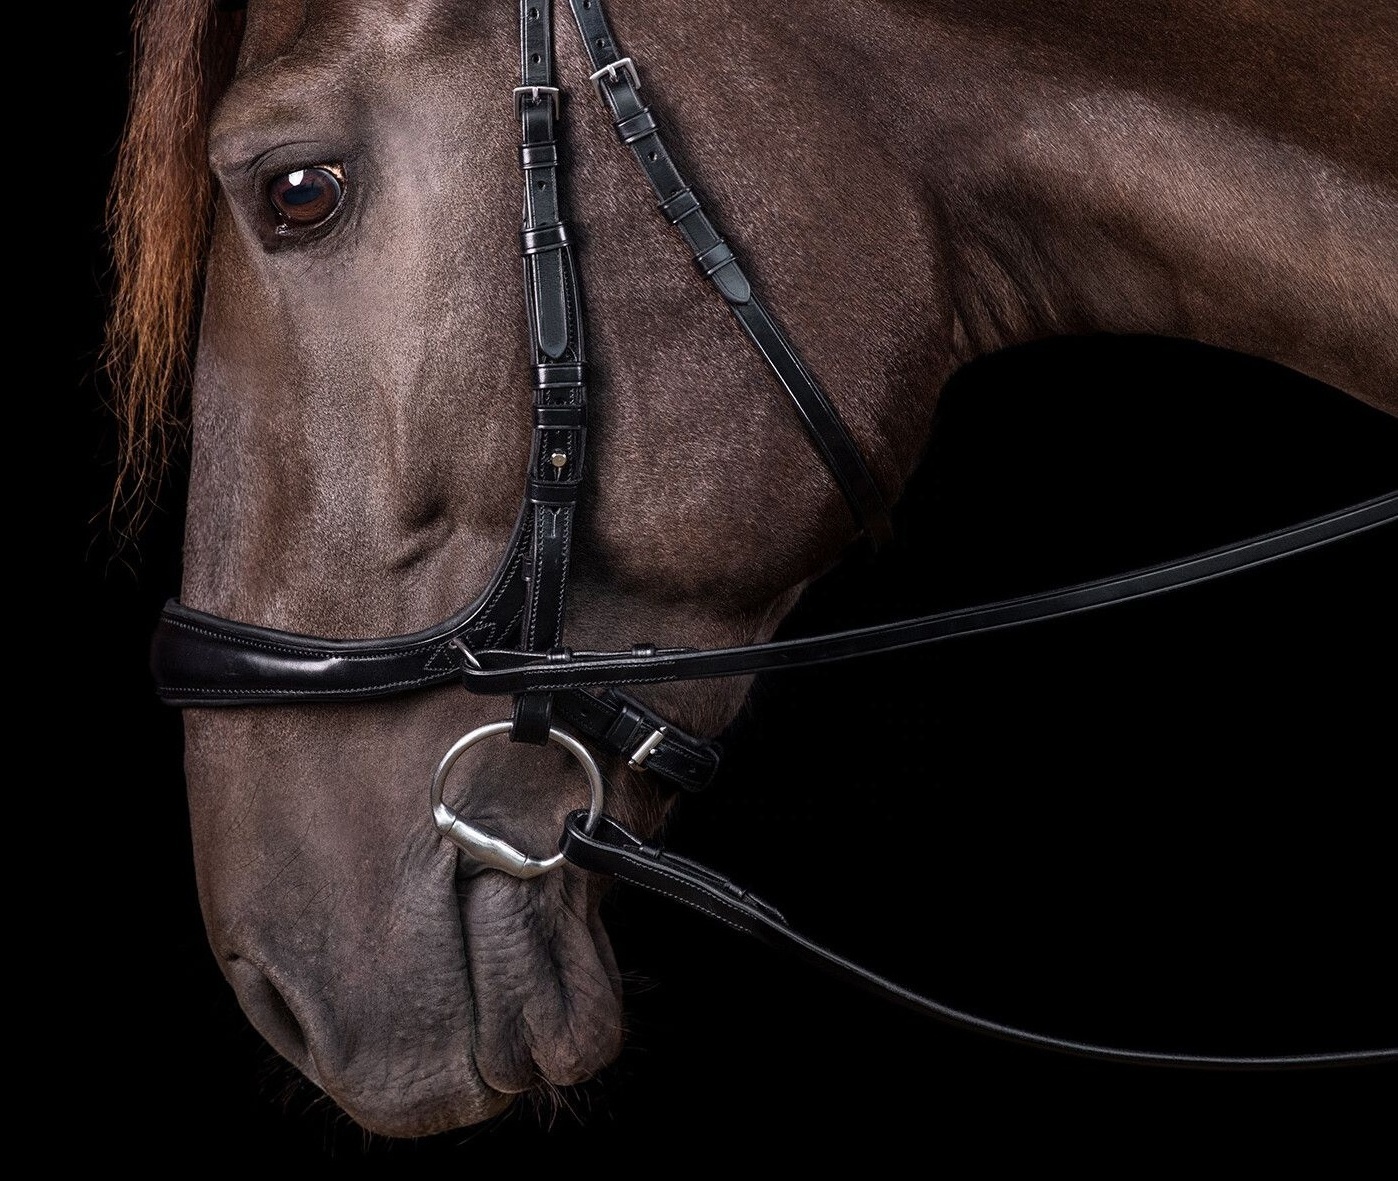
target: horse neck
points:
(1229, 183)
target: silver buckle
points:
(642, 753)
(624, 64)
(533, 92)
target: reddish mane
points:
(159, 216)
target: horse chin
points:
(545, 982)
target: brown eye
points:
(307, 196)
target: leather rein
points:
(510, 640)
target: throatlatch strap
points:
(618, 84)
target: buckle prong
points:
(625, 64)
(533, 92)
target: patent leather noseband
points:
(510, 640)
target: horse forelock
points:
(159, 214)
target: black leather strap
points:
(505, 671)
(618, 84)
(205, 660)
(621, 725)
(198, 659)
(611, 849)
(554, 309)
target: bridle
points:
(510, 640)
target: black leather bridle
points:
(510, 640)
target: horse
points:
(331, 194)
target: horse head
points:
(361, 432)
(362, 410)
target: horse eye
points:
(307, 196)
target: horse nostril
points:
(268, 1011)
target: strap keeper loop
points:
(679, 206)
(560, 418)
(716, 256)
(541, 155)
(553, 493)
(636, 126)
(551, 377)
(549, 237)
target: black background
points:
(1163, 825)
